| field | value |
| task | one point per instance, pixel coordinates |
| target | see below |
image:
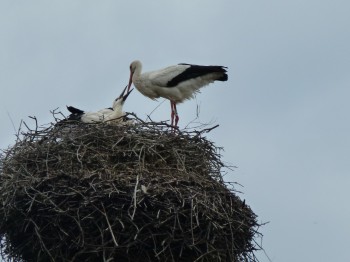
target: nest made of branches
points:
(138, 192)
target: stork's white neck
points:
(137, 68)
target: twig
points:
(109, 225)
(134, 197)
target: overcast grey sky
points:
(283, 114)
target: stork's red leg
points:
(176, 115)
(172, 113)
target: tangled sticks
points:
(96, 192)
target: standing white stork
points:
(176, 83)
(113, 114)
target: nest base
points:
(78, 192)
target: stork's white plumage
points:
(176, 83)
(112, 114)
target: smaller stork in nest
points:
(176, 83)
(112, 114)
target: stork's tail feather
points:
(224, 77)
(221, 69)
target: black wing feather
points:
(196, 71)
(75, 113)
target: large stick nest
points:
(98, 192)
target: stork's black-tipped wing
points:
(194, 71)
(75, 113)
(75, 110)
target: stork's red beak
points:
(130, 80)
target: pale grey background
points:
(283, 114)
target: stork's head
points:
(135, 67)
(119, 102)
